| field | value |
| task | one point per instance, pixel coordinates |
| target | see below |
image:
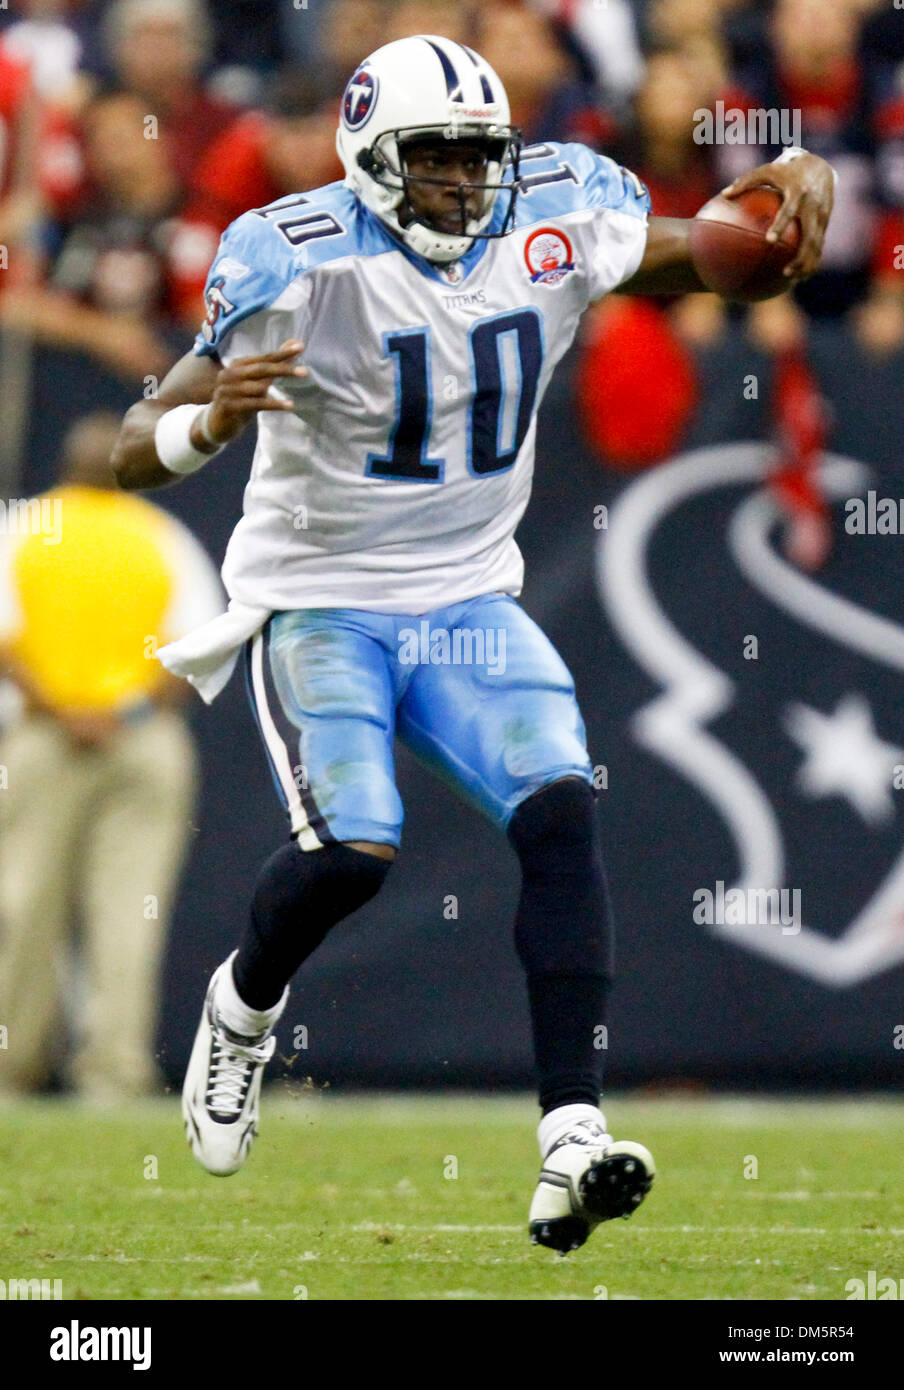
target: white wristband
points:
(172, 440)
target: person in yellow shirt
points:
(97, 767)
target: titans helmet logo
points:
(359, 99)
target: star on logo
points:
(845, 756)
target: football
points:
(730, 250)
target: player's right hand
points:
(243, 390)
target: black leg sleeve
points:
(564, 939)
(299, 895)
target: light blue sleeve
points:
(556, 180)
(253, 266)
(607, 184)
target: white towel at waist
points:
(206, 656)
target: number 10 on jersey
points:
(506, 354)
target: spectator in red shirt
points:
(264, 155)
(20, 203)
(158, 49)
(109, 289)
(636, 381)
(40, 34)
(681, 174)
(259, 157)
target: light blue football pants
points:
(475, 690)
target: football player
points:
(394, 334)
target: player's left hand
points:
(807, 187)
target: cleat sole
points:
(618, 1183)
(564, 1234)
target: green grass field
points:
(355, 1199)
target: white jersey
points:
(397, 482)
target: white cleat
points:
(587, 1178)
(221, 1094)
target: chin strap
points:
(435, 246)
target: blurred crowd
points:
(133, 131)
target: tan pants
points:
(94, 839)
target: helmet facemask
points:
(384, 162)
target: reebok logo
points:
(77, 1343)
